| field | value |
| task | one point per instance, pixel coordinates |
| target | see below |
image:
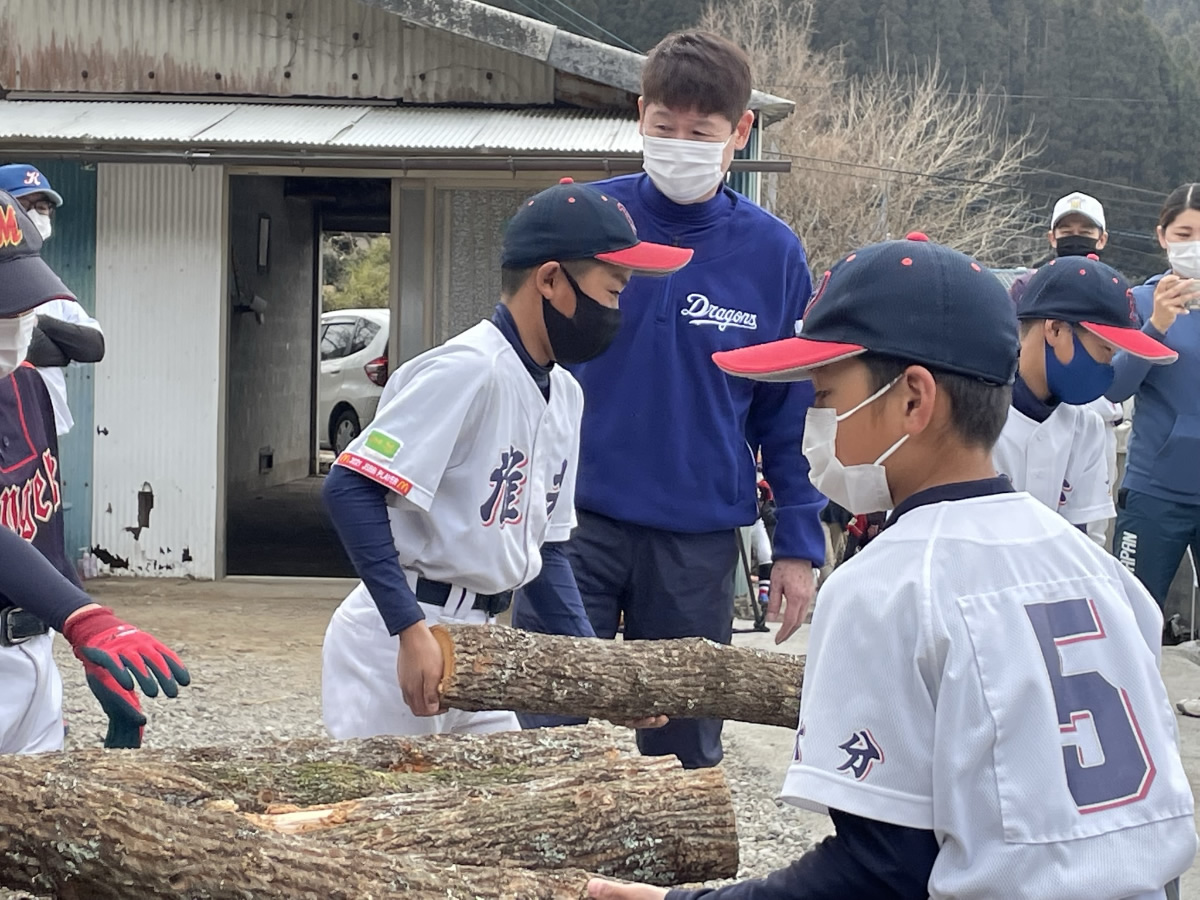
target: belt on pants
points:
(18, 625)
(438, 593)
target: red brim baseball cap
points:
(1134, 342)
(646, 258)
(791, 359)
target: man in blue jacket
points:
(667, 465)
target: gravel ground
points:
(253, 688)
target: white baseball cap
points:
(1087, 206)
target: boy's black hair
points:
(696, 70)
(978, 409)
(511, 280)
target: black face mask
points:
(586, 334)
(1075, 245)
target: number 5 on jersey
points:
(1119, 771)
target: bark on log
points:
(493, 667)
(311, 772)
(424, 753)
(77, 840)
(643, 820)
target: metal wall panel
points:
(160, 292)
(273, 48)
(71, 252)
(469, 225)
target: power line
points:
(620, 41)
(808, 88)
(547, 15)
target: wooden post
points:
(493, 667)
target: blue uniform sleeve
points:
(358, 508)
(776, 426)
(30, 581)
(551, 603)
(1129, 370)
(866, 858)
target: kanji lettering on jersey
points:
(507, 479)
(555, 489)
(862, 753)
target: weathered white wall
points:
(270, 364)
(160, 292)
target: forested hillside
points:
(1111, 87)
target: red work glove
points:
(114, 654)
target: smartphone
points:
(1193, 301)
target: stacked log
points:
(516, 815)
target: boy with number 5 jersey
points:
(982, 713)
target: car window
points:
(363, 335)
(336, 341)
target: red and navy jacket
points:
(30, 484)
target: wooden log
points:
(422, 753)
(74, 839)
(493, 667)
(311, 772)
(645, 820)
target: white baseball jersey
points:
(984, 671)
(481, 466)
(1061, 461)
(55, 378)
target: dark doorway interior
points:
(277, 451)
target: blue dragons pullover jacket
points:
(669, 440)
(1164, 448)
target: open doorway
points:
(300, 382)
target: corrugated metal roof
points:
(55, 123)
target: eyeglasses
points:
(44, 205)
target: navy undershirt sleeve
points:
(866, 858)
(30, 581)
(551, 603)
(358, 508)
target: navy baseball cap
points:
(20, 179)
(1085, 292)
(910, 299)
(25, 279)
(575, 221)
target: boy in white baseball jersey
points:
(982, 713)
(1075, 314)
(445, 500)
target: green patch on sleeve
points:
(383, 444)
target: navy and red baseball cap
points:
(1083, 291)
(911, 300)
(575, 221)
(25, 279)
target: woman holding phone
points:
(1158, 507)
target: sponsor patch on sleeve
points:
(375, 472)
(383, 444)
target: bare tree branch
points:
(878, 156)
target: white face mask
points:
(857, 489)
(1185, 258)
(684, 170)
(15, 335)
(42, 223)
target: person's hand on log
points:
(115, 654)
(420, 668)
(599, 889)
(792, 588)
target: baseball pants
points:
(360, 690)
(31, 713)
(668, 585)
(1151, 537)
